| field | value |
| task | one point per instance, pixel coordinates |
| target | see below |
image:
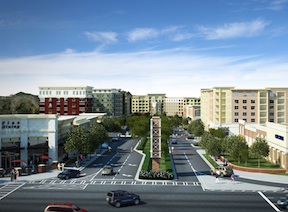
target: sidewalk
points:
(208, 181)
(46, 175)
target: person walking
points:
(217, 176)
(232, 178)
(12, 174)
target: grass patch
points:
(211, 161)
(253, 163)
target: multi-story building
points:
(223, 106)
(150, 103)
(113, 102)
(191, 108)
(174, 106)
(65, 100)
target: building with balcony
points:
(65, 100)
(113, 102)
(148, 104)
(225, 106)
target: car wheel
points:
(136, 201)
(117, 204)
(67, 177)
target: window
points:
(271, 101)
(244, 107)
(252, 93)
(252, 114)
(244, 93)
(271, 94)
(244, 119)
(236, 107)
(236, 120)
(244, 114)
(235, 93)
(252, 107)
(252, 120)
(236, 114)
(236, 101)
(244, 101)
(252, 101)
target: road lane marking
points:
(11, 188)
(268, 201)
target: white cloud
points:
(105, 37)
(175, 72)
(234, 30)
(142, 34)
(277, 4)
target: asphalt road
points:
(153, 198)
(90, 190)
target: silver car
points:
(107, 170)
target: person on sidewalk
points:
(232, 178)
(217, 176)
(12, 174)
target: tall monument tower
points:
(155, 142)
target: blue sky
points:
(152, 46)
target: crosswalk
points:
(9, 188)
(114, 182)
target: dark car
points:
(2, 172)
(121, 197)
(69, 173)
(283, 202)
(174, 141)
(115, 139)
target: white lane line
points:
(268, 201)
(12, 191)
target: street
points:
(185, 193)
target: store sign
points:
(280, 137)
(10, 124)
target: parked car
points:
(224, 171)
(2, 172)
(107, 170)
(121, 197)
(32, 169)
(283, 202)
(69, 173)
(63, 207)
(115, 139)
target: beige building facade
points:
(276, 136)
(224, 106)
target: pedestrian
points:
(217, 176)
(16, 174)
(109, 148)
(232, 178)
(12, 173)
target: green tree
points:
(236, 147)
(78, 141)
(196, 128)
(259, 149)
(98, 135)
(111, 125)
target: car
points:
(2, 172)
(69, 173)
(107, 170)
(224, 171)
(63, 207)
(104, 146)
(115, 139)
(174, 141)
(283, 202)
(118, 198)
